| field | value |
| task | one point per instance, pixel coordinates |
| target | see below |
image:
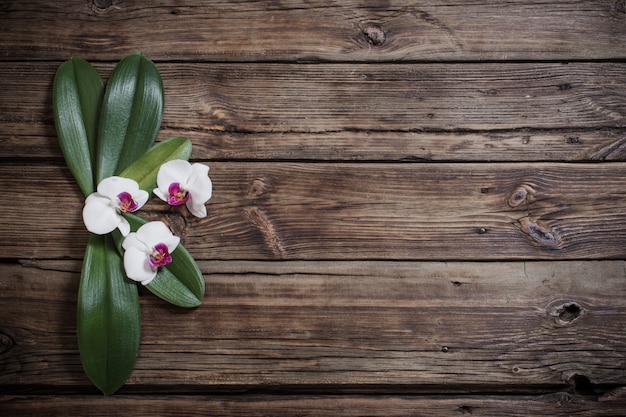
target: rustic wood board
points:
(315, 30)
(384, 211)
(480, 112)
(343, 326)
(320, 406)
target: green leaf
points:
(181, 282)
(108, 316)
(131, 115)
(145, 169)
(76, 99)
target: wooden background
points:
(419, 208)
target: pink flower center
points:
(127, 204)
(178, 195)
(160, 256)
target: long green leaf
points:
(181, 282)
(108, 316)
(131, 115)
(76, 99)
(145, 169)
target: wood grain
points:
(548, 405)
(391, 30)
(353, 211)
(424, 327)
(477, 112)
(329, 98)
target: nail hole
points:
(445, 349)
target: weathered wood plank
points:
(353, 211)
(342, 326)
(315, 30)
(255, 98)
(479, 112)
(561, 404)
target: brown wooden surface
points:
(310, 406)
(384, 211)
(460, 112)
(344, 326)
(419, 208)
(297, 30)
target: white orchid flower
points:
(179, 182)
(115, 195)
(148, 249)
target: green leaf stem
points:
(131, 115)
(145, 169)
(76, 99)
(181, 282)
(108, 316)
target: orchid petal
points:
(163, 196)
(141, 197)
(153, 233)
(131, 241)
(177, 170)
(197, 208)
(199, 184)
(99, 216)
(137, 266)
(124, 226)
(112, 186)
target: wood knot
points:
(582, 385)
(374, 34)
(540, 234)
(102, 4)
(6, 343)
(565, 314)
(522, 194)
(258, 187)
(573, 140)
(465, 410)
